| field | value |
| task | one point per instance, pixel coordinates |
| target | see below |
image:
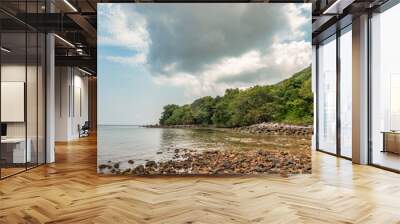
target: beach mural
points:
(204, 89)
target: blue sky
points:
(150, 55)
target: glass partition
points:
(22, 78)
(346, 93)
(14, 153)
(327, 95)
(385, 89)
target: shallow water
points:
(123, 143)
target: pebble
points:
(277, 129)
(225, 162)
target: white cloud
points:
(286, 52)
(279, 63)
(179, 79)
(132, 60)
(232, 66)
(169, 67)
(205, 82)
(290, 57)
(185, 80)
(125, 29)
(297, 18)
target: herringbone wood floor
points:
(70, 191)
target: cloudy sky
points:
(150, 55)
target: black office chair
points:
(84, 130)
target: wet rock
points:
(277, 129)
(131, 161)
(139, 170)
(116, 165)
(127, 171)
(151, 164)
(260, 169)
(283, 173)
(104, 166)
(229, 162)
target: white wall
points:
(71, 87)
(33, 127)
(12, 73)
(62, 82)
(81, 103)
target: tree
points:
(167, 113)
(289, 101)
(203, 110)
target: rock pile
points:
(222, 162)
(277, 129)
(173, 126)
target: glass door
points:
(327, 95)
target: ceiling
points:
(75, 21)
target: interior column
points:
(360, 90)
(50, 92)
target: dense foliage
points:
(289, 101)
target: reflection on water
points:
(123, 143)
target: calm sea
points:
(123, 143)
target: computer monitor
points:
(3, 129)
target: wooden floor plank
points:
(70, 191)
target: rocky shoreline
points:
(277, 129)
(190, 162)
(174, 126)
(262, 128)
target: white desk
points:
(19, 154)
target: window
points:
(385, 89)
(346, 92)
(327, 95)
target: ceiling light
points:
(5, 50)
(79, 51)
(64, 40)
(84, 71)
(338, 6)
(70, 5)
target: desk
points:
(15, 148)
(391, 141)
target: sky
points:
(151, 55)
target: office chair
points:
(84, 130)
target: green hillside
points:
(289, 101)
